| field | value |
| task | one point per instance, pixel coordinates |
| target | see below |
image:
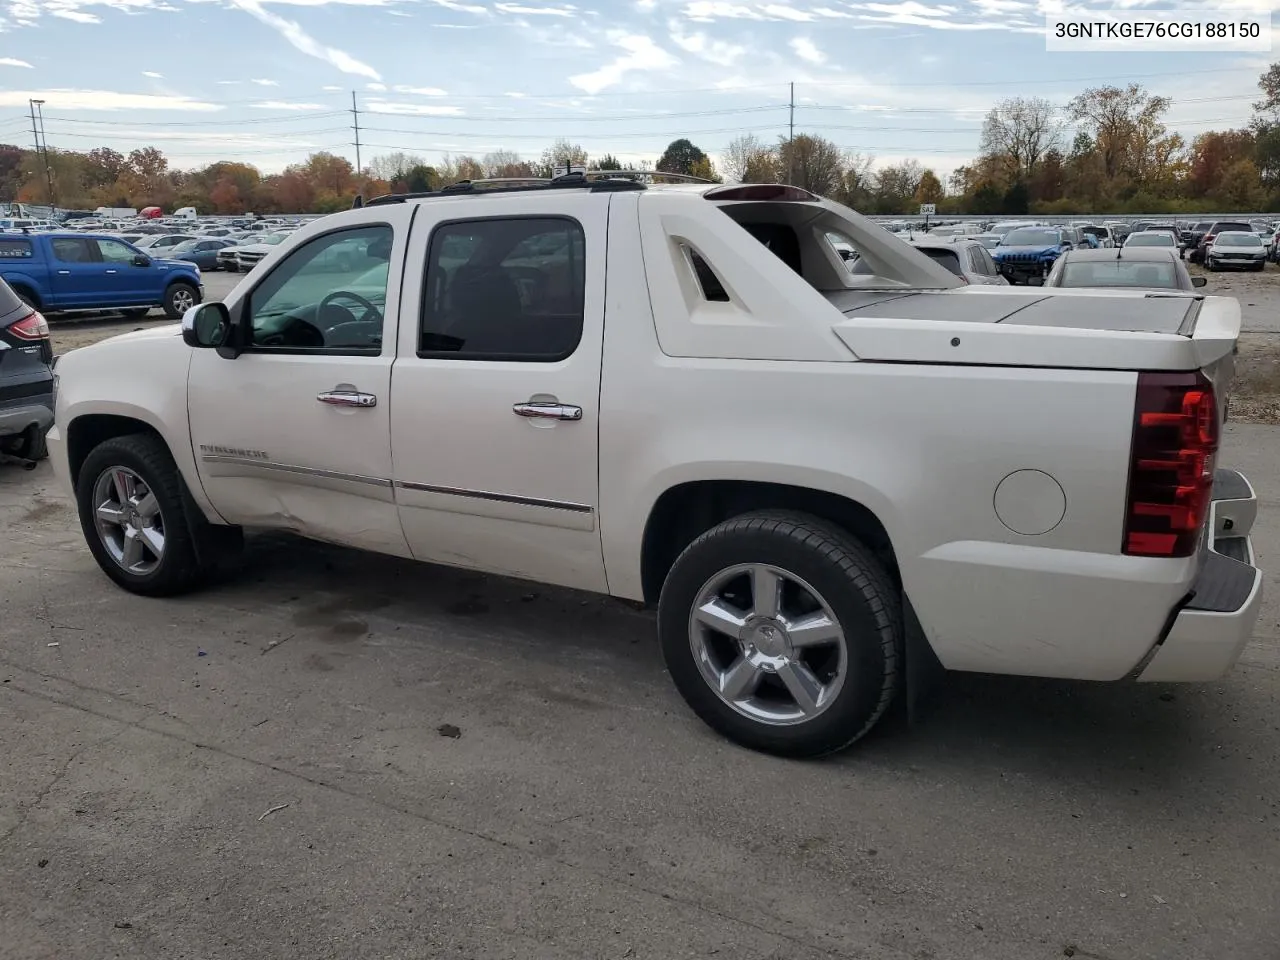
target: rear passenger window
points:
(71, 250)
(15, 249)
(504, 289)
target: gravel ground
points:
(343, 755)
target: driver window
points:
(327, 296)
(113, 251)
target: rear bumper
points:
(1212, 627)
(20, 415)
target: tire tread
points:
(859, 567)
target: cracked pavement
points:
(583, 812)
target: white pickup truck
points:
(681, 395)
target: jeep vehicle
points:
(681, 396)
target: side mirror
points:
(206, 325)
(1199, 281)
(142, 260)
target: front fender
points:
(141, 376)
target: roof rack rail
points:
(595, 180)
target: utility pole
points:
(42, 148)
(791, 138)
(355, 125)
(48, 170)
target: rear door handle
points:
(64, 273)
(347, 398)
(547, 411)
(112, 271)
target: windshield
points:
(1150, 240)
(1120, 273)
(273, 238)
(186, 246)
(1031, 238)
(1239, 240)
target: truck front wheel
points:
(179, 298)
(782, 632)
(137, 520)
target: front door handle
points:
(347, 398)
(547, 410)
(64, 273)
(112, 271)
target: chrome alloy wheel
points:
(183, 300)
(768, 644)
(128, 520)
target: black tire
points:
(858, 592)
(33, 445)
(187, 537)
(172, 296)
(135, 313)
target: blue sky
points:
(268, 81)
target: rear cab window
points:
(15, 249)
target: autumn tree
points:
(505, 163)
(225, 196)
(559, 154)
(393, 166)
(1123, 123)
(896, 186)
(103, 166)
(293, 192)
(1017, 133)
(680, 157)
(748, 159)
(811, 162)
(929, 189)
(606, 162)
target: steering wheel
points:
(371, 312)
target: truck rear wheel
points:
(179, 298)
(782, 632)
(137, 520)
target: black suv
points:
(26, 378)
(1215, 228)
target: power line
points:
(292, 117)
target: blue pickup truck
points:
(75, 271)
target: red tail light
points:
(1175, 440)
(33, 327)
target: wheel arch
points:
(88, 431)
(685, 510)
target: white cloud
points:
(782, 12)
(400, 13)
(377, 87)
(226, 83)
(646, 5)
(520, 8)
(805, 50)
(102, 100)
(412, 109)
(153, 75)
(461, 7)
(515, 96)
(263, 82)
(419, 91)
(708, 10)
(79, 16)
(303, 41)
(331, 89)
(837, 14)
(286, 105)
(719, 52)
(642, 55)
(12, 62)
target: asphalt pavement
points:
(342, 755)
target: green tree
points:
(680, 157)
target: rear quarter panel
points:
(925, 448)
